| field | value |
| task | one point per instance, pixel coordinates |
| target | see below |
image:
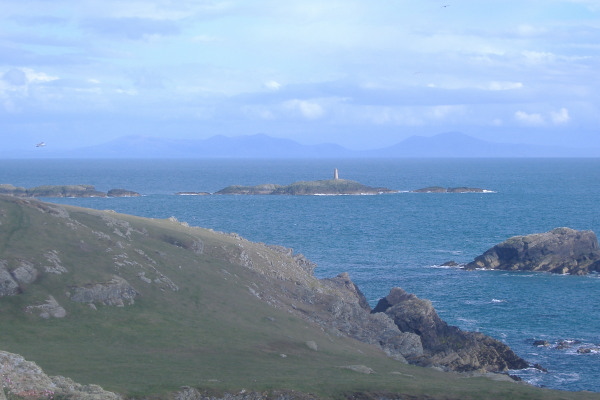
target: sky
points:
(363, 74)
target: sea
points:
(393, 240)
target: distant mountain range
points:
(451, 144)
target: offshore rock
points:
(439, 189)
(444, 345)
(122, 193)
(562, 250)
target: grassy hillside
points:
(202, 317)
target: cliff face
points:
(446, 345)
(562, 250)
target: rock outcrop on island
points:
(440, 189)
(63, 191)
(562, 251)
(321, 187)
(445, 345)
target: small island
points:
(561, 251)
(329, 187)
(462, 189)
(63, 191)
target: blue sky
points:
(364, 74)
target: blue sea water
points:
(396, 239)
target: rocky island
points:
(224, 314)
(335, 186)
(63, 191)
(562, 251)
(440, 189)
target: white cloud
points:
(561, 116)
(530, 119)
(504, 85)
(538, 57)
(272, 85)
(536, 119)
(443, 112)
(308, 109)
(205, 39)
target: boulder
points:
(50, 308)
(116, 292)
(562, 250)
(8, 285)
(444, 345)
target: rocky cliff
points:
(61, 264)
(562, 250)
(445, 345)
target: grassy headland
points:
(210, 313)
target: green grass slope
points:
(197, 320)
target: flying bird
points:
(446, 5)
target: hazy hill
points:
(219, 146)
(451, 144)
(456, 144)
(143, 307)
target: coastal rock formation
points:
(63, 191)
(24, 379)
(188, 281)
(562, 250)
(122, 193)
(444, 345)
(322, 187)
(439, 189)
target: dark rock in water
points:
(439, 189)
(566, 344)
(539, 367)
(450, 264)
(122, 193)
(541, 343)
(446, 345)
(562, 250)
(588, 350)
(192, 194)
